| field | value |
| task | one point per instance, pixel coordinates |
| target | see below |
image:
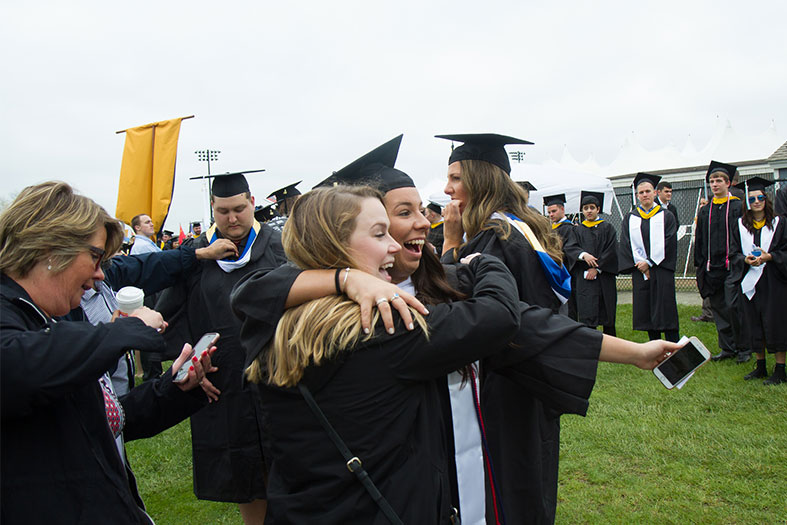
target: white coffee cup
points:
(129, 298)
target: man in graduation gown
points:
(649, 251)
(712, 256)
(227, 452)
(594, 271)
(434, 214)
(556, 211)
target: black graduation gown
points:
(554, 365)
(568, 234)
(435, 237)
(523, 431)
(597, 299)
(226, 447)
(655, 307)
(765, 317)
(383, 399)
(718, 233)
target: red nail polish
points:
(191, 368)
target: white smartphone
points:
(682, 363)
(205, 342)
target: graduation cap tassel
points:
(746, 189)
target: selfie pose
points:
(759, 268)
(523, 427)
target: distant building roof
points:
(779, 154)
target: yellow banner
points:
(147, 173)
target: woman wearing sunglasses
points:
(759, 261)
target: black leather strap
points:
(354, 464)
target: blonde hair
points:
(489, 190)
(50, 221)
(316, 236)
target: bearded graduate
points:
(596, 266)
(649, 251)
(759, 268)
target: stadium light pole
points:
(207, 155)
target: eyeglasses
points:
(97, 254)
(756, 198)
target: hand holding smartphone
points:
(678, 367)
(205, 342)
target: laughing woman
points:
(759, 260)
(380, 392)
(60, 418)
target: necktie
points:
(113, 408)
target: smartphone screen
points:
(205, 342)
(681, 363)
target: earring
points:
(49, 266)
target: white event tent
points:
(550, 180)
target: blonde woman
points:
(381, 392)
(60, 417)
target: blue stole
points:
(556, 274)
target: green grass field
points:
(713, 452)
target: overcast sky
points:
(303, 88)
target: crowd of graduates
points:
(379, 359)
(738, 254)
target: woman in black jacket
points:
(60, 463)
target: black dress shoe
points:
(775, 379)
(702, 319)
(743, 357)
(757, 373)
(724, 354)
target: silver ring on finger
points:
(381, 300)
(395, 296)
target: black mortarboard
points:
(287, 191)
(591, 197)
(754, 183)
(376, 169)
(646, 177)
(526, 185)
(435, 207)
(196, 223)
(228, 184)
(727, 169)
(167, 232)
(483, 146)
(555, 199)
(265, 212)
